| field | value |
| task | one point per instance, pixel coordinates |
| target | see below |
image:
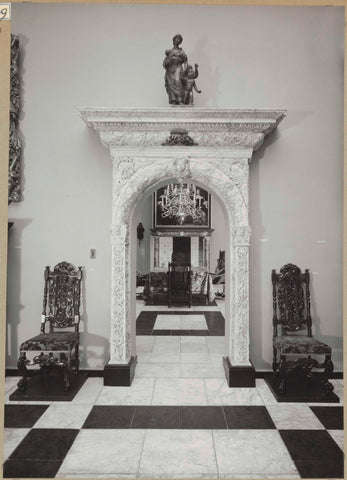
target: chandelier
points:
(181, 201)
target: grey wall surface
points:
(111, 56)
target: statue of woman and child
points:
(180, 76)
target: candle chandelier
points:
(181, 201)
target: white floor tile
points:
(265, 392)
(217, 359)
(140, 393)
(248, 452)
(89, 392)
(143, 357)
(164, 357)
(12, 438)
(64, 416)
(145, 347)
(216, 347)
(218, 393)
(157, 370)
(167, 322)
(190, 347)
(112, 452)
(172, 453)
(338, 436)
(196, 370)
(180, 322)
(179, 391)
(215, 339)
(193, 339)
(193, 322)
(10, 383)
(195, 358)
(293, 416)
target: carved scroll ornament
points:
(15, 142)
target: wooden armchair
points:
(59, 347)
(292, 313)
(179, 283)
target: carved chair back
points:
(180, 258)
(61, 297)
(291, 300)
(221, 261)
(179, 276)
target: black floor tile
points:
(110, 416)
(200, 333)
(215, 323)
(330, 417)
(214, 316)
(161, 332)
(242, 417)
(149, 316)
(326, 469)
(156, 417)
(145, 324)
(312, 446)
(31, 468)
(202, 417)
(45, 444)
(143, 332)
(181, 332)
(23, 416)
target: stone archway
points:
(224, 144)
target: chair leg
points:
(274, 361)
(328, 369)
(21, 364)
(77, 359)
(282, 372)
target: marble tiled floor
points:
(177, 420)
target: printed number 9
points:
(3, 13)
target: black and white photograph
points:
(174, 285)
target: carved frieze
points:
(14, 190)
(206, 127)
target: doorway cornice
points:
(236, 129)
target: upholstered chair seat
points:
(296, 344)
(57, 341)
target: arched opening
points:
(179, 339)
(132, 177)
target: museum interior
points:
(175, 242)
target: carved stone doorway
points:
(224, 141)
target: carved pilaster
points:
(241, 235)
(14, 191)
(241, 308)
(120, 289)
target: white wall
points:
(111, 55)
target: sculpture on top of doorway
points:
(180, 76)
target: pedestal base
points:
(299, 390)
(239, 376)
(120, 375)
(49, 388)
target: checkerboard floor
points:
(172, 428)
(178, 419)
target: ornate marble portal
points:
(226, 140)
